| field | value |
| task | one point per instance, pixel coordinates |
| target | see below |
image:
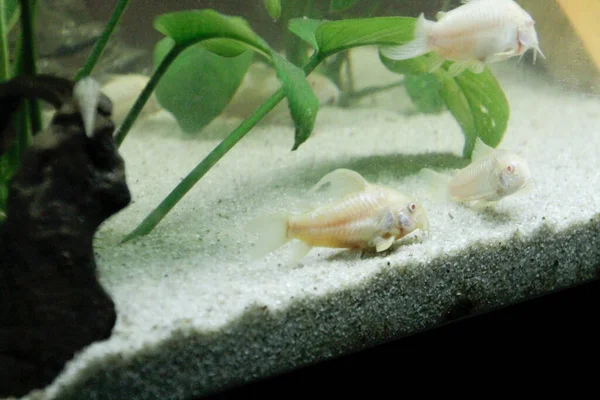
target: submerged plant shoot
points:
(208, 51)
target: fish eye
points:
(412, 207)
(511, 168)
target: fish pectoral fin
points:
(476, 67)
(458, 67)
(500, 56)
(434, 62)
(382, 244)
(340, 183)
(481, 150)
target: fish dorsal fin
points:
(481, 150)
(340, 183)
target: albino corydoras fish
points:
(492, 175)
(359, 215)
(471, 35)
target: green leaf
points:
(10, 12)
(224, 47)
(411, 66)
(273, 8)
(331, 37)
(336, 36)
(341, 5)
(192, 26)
(488, 105)
(459, 107)
(303, 103)
(305, 29)
(424, 91)
(476, 101)
(199, 83)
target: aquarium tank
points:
(196, 195)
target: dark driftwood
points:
(51, 303)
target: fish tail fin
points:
(272, 229)
(436, 183)
(416, 47)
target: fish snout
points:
(422, 222)
(528, 39)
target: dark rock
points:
(54, 90)
(51, 303)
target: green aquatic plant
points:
(477, 102)
(207, 49)
(94, 56)
(273, 8)
(27, 120)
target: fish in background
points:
(471, 35)
(492, 175)
(359, 215)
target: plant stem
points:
(202, 168)
(295, 48)
(26, 66)
(212, 158)
(23, 128)
(28, 49)
(103, 40)
(146, 93)
(4, 57)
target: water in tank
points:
(202, 193)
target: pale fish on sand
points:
(471, 35)
(360, 215)
(492, 175)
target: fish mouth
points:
(528, 186)
(423, 223)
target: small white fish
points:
(361, 215)
(492, 175)
(475, 33)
